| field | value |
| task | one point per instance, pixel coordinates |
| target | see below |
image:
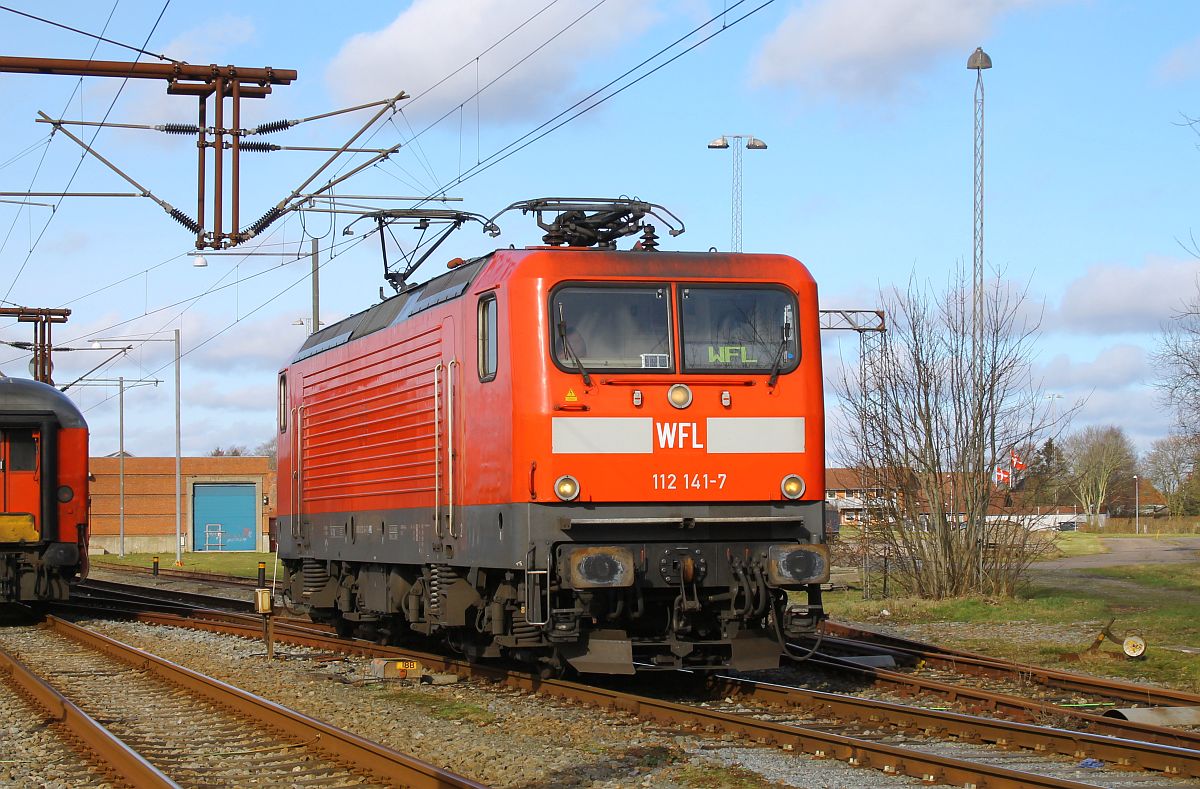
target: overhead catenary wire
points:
(496, 158)
(351, 242)
(472, 61)
(504, 152)
(45, 150)
(98, 38)
(79, 164)
(523, 142)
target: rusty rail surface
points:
(964, 662)
(1005, 704)
(110, 750)
(1129, 754)
(385, 764)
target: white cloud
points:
(1181, 63)
(1114, 368)
(872, 49)
(1114, 298)
(215, 41)
(432, 38)
(259, 346)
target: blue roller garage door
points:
(223, 518)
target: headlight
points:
(788, 565)
(679, 396)
(65, 494)
(566, 487)
(792, 486)
(599, 566)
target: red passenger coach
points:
(607, 459)
(43, 492)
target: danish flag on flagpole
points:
(1017, 463)
(1003, 476)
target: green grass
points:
(1076, 543)
(1181, 577)
(443, 707)
(714, 776)
(227, 563)
(1158, 603)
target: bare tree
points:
(1177, 360)
(269, 448)
(1099, 458)
(1170, 464)
(230, 451)
(929, 418)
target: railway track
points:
(958, 661)
(826, 725)
(158, 724)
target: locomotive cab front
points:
(672, 429)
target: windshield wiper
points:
(562, 333)
(783, 342)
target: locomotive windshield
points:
(612, 328)
(738, 329)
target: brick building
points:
(226, 503)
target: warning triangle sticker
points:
(570, 398)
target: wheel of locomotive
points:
(344, 627)
(553, 667)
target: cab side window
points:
(283, 403)
(488, 349)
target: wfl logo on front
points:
(678, 435)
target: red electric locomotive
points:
(567, 454)
(44, 490)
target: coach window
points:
(22, 450)
(283, 403)
(742, 329)
(624, 328)
(488, 351)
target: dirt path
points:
(1131, 550)
(1062, 573)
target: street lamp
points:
(753, 144)
(122, 385)
(1053, 397)
(1137, 519)
(178, 442)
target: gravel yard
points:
(500, 737)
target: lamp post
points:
(753, 144)
(178, 440)
(1137, 509)
(979, 61)
(1053, 397)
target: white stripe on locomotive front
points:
(602, 435)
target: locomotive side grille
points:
(315, 575)
(370, 428)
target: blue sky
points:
(866, 106)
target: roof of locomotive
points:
(390, 311)
(21, 395)
(438, 290)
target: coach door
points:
(20, 510)
(448, 439)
